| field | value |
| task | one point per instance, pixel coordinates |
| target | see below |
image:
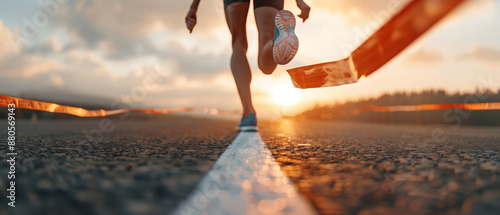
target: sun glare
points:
(362, 78)
(285, 94)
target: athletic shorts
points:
(278, 4)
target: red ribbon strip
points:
(427, 107)
(56, 108)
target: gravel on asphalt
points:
(354, 168)
(139, 167)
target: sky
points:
(119, 48)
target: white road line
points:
(245, 180)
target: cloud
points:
(425, 56)
(57, 80)
(123, 26)
(360, 11)
(47, 47)
(192, 63)
(26, 66)
(218, 92)
(46, 65)
(131, 16)
(482, 54)
(6, 43)
(363, 11)
(78, 72)
(19, 63)
(45, 68)
(475, 8)
(78, 67)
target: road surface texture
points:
(150, 166)
(142, 167)
(349, 168)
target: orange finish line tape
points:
(427, 107)
(56, 108)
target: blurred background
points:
(117, 54)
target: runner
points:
(278, 44)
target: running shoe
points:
(248, 123)
(286, 43)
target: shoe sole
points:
(286, 44)
(247, 128)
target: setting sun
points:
(285, 94)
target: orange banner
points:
(416, 18)
(426, 107)
(56, 108)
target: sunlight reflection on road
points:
(246, 180)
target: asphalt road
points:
(140, 167)
(149, 166)
(349, 168)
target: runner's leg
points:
(265, 11)
(236, 16)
